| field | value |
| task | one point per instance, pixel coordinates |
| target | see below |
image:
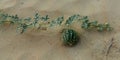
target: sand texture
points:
(46, 45)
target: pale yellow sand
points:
(46, 45)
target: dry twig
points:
(109, 47)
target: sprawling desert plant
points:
(69, 36)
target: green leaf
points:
(94, 23)
(58, 21)
(100, 27)
(22, 27)
(71, 19)
(85, 25)
(45, 18)
(36, 19)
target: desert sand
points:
(46, 45)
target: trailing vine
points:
(70, 36)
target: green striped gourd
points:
(70, 37)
